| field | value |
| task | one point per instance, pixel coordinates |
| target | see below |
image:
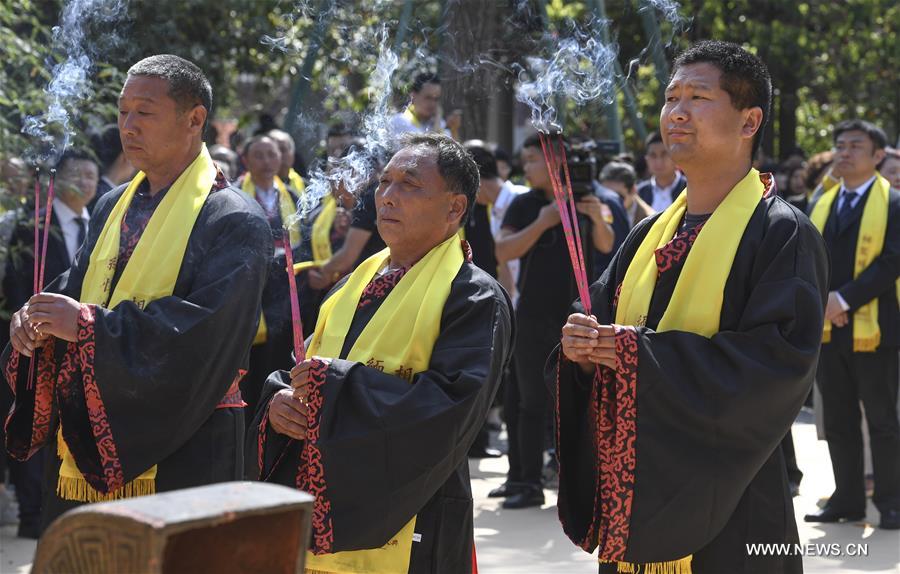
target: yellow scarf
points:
(296, 181)
(321, 235)
(285, 205)
(399, 338)
(149, 275)
(872, 229)
(696, 304)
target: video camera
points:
(584, 159)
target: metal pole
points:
(611, 108)
(651, 28)
(301, 87)
(403, 25)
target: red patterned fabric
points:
(617, 430)
(311, 473)
(467, 250)
(20, 446)
(233, 398)
(674, 251)
(113, 477)
(380, 286)
(12, 370)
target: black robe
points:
(710, 413)
(155, 386)
(390, 449)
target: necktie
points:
(82, 231)
(846, 207)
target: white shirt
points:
(508, 192)
(70, 227)
(662, 196)
(857, 190)
(268, 198)
(401, 124)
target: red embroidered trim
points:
(43, 396)
(467, 250)
(380, 287)
(311, 473)
(233, 398)
(113, 476)
(12, 370)
(768, 181)
(616, 296)
(674, 251)
(261, 440)
(22, 448)
(618, 430)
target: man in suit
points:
(860, 220)
(666, 182)
(115, 169)
(76, 185)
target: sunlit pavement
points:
(532, 541)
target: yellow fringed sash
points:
(872, 230)
(321, 236)
(398, 340)
(696, 304)
(149, 275)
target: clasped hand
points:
(588, 343)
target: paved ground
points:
(531, 541)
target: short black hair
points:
(454, 163)
(187, 84)
(245, 148)
(875, 133)
(744, 77)
(107, 145)
(485, 160)
(424, 78)
(338, 129)
(534, 140)
(653, 138)
(75, 154)
(619, 171)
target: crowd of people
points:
(484, 359)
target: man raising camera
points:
(532, 232)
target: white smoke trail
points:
(71, 83)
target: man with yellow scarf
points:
(674, 395)
(860, 220)
(137, 351)
(406, 357)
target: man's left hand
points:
(55, 315)
(834, 309)
(591, 206)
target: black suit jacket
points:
(877, 281)
(645, 190)
(18, 282)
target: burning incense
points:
(565, 203)
(299, 348)
(47, 216)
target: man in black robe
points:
(376, 446)
(146, 384)
(668, 439)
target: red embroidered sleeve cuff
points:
(311, 474)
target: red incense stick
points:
(299, 345)
(47, 216)
(568, 216)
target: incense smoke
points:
(582, 70)
(71, 83)
(356, 170)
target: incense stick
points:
(49, 212)
(296, 324)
